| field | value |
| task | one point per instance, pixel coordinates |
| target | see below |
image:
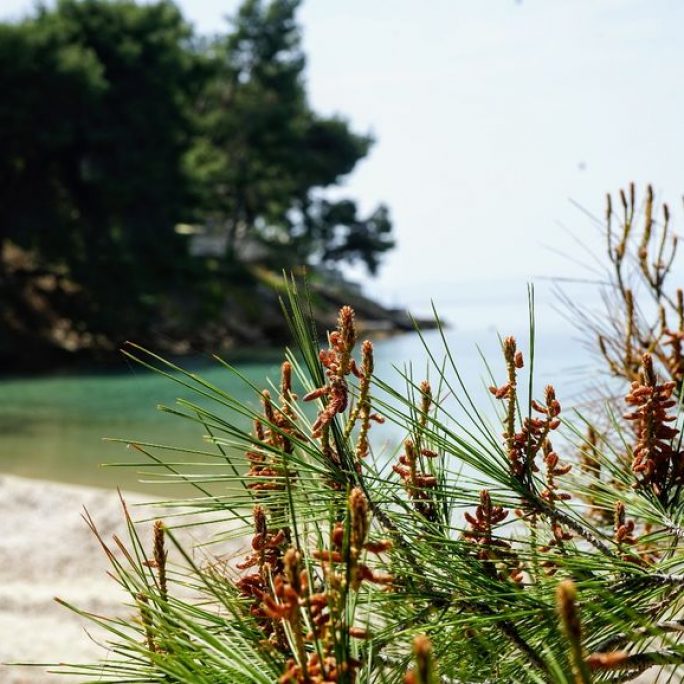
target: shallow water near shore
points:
(53, 427)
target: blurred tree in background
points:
(262, 153)
(94, 123)
(117, 126)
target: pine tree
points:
(537, 547)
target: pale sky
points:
(489, 116)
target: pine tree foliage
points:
(534, 548)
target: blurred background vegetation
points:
(154, 182)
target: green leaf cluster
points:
(118, 123)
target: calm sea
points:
(52, 427)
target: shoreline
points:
(47, 550)
(116, 363)
(231, 335)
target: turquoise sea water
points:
(52, 427)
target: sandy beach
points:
(46, 550)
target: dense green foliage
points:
(118, 123)
(95, 119)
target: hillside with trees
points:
(155, 182)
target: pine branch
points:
(570, 522)
(620, 640)
(640, 662)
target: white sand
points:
(46, 550)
